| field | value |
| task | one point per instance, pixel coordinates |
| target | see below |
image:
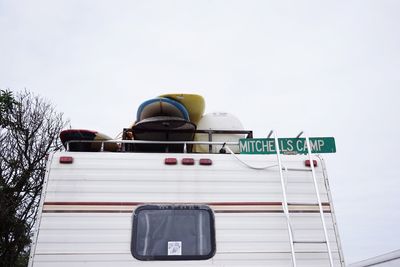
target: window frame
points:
(173, 257)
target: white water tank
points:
(218, 121)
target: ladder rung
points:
(309, 242)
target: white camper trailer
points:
(130, 208)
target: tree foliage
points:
(29, 131)
(7, 102)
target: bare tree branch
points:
(29, 131)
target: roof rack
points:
(127, 144)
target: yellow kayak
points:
(194, 104)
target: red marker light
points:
(188, 161)
(307, 163)
(205, 162)
(170, 161)
(66, 160)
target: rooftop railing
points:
(127, 145)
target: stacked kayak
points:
(193, 103)
(166, 118)
(161, 106)
(79, 140)
(169, 117)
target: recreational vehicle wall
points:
(159, 198)
(184, 209)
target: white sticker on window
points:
(174, 248)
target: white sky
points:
(328, 67)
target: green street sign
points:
(287, 145)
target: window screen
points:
(172, 232)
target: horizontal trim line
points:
(216, 211)
(87, 211)
(219, 252)
(181, 203)
(218, 207)
(166, 203)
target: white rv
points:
(186, 209)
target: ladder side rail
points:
(321, 211)
(285, 202)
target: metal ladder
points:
(285, 203)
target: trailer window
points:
(173, 232)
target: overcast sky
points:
(331, 68)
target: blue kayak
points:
(161, 106)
